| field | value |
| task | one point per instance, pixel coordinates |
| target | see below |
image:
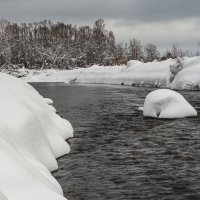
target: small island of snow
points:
(165, 103)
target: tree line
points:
(44, 44)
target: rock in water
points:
(165, 103)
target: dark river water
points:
(117, 154)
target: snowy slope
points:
(32, 136)
(166, 74)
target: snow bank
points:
(183, 73)
(165, 103)
(135, 73)
(32, 136)
(189, 76)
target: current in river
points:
(118, 154)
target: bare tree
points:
(151, 52)
(176, 51)
(5, 50)
(120, 55)
(135, 50)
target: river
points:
(117, 154)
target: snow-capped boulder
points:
(165, 103)
(32, 136)
(189, 77)
(176, 67)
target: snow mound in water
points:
(32, 136)
(165, 103)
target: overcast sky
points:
(162, 22)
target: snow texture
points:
(165, 103)
(182, 73)
(189, 76)
(32, 136)
(48, 101)
(135, 73)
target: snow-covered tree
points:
(151, 52)
(5, 51)
(135, 50)
(120, 56)
(176, 51)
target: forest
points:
(44, 45)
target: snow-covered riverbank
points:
(135, 72)
(32, 136)
(164, 74)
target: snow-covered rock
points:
(165, 103)
(189, 76)
(32, 136)
(176, 67)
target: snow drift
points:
(165, 103)
(135, 73)
(32, 136)
(189, 76)
(182, 73)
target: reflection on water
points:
(117, 154)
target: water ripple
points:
(117, 154)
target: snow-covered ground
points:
(32, 136)
(167, 74)
(165, 103)
(137, 73)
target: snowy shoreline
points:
(32, 136)
(183, 74)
